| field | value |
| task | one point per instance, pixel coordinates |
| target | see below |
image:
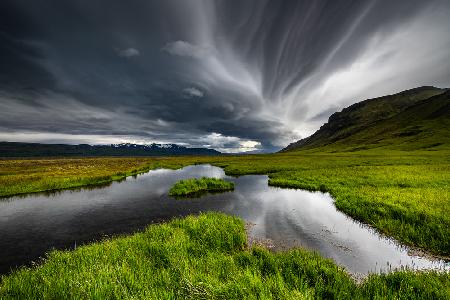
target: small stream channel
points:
(32, 225)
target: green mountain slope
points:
(411, 120)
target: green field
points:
(403, 194)
(21, 176)
(195, 187)
(205, 257)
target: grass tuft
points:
(194, 187)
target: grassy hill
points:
(416, 119)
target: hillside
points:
(411, 120)
(9, 149)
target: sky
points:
(233, 75)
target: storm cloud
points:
(236, 76)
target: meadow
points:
(22, 176)
(403, 194)
(205, 257)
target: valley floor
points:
(403, 194)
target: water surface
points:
(32, 225)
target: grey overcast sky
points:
(232, 75)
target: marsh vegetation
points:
(195, 187)
(205, 257)
(403, 194)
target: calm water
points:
(32, 225)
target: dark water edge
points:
(31, 225)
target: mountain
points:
(10, 149)
(414, 119)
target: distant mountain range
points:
(416, 119)
(411, 120)
(11, 149)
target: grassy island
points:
(193, 186)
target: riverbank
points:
(24, 176)
(404, 194)
(204, 257)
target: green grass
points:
(413, 120)
(22, 176)
(423, 126)
(204, 257)
(193, 186)
(404, 194)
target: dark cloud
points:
(130, 52)
(191, 92)
(185, 49)
(234, 75)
